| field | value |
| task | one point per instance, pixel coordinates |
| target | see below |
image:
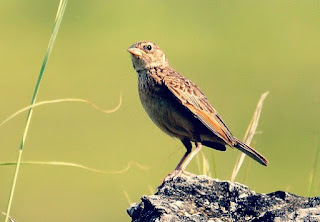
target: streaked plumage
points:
(178, 107)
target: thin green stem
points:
(13, 185)
(214, 165)
(59, 16)
(313, 172)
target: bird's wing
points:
(191, 97)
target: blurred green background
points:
(233, 50)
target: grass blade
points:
(214, 165)
(81, 166)
(151, 190)
(59, 101)
(126, 195)
(10, 219)
(249, 135)
(59, 16)
(314, 168)
(205, 165)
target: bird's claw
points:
(175, 174)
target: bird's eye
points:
(149, 47)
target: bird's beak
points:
(135, 51)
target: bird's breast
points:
(163, 109)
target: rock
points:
(200, 198)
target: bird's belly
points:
(167, 114)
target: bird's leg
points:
(177, 171)
(182, 160)
(192, 154)
(185, 160)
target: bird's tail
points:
(251, 152)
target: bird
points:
(179, 108)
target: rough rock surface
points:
(200, 198)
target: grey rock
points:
(200, 198)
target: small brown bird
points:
(178, 107)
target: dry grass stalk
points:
(314, 168)
(249, 135)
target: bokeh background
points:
(233, 50)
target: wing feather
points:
(191, 97)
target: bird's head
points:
(147, 55)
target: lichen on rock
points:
(200, 198)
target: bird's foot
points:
(176, 173)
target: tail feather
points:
(251, 152)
